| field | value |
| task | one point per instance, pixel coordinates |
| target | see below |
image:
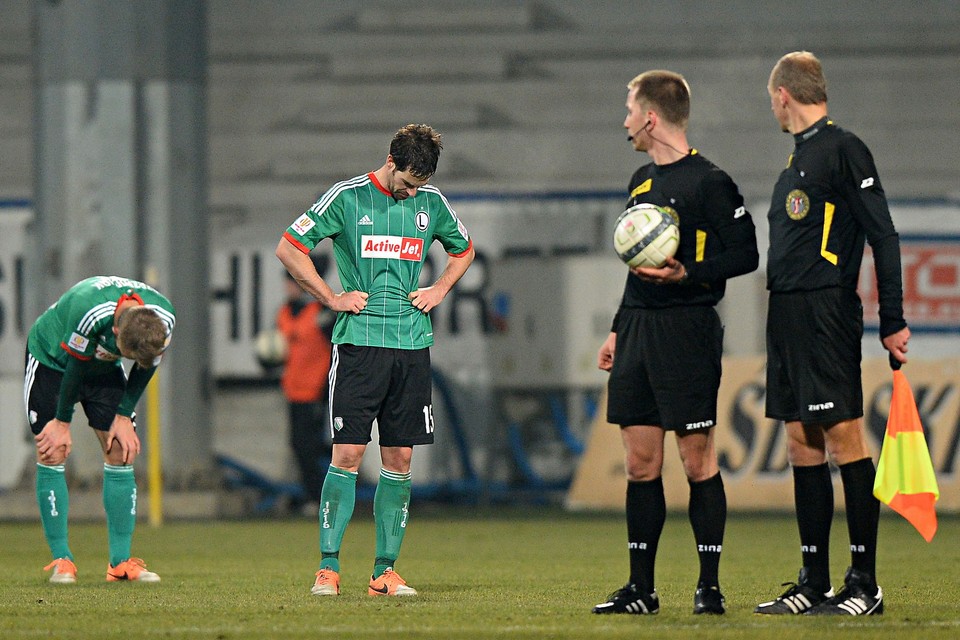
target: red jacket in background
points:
(304, 377)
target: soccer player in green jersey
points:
(74, 353)
(381, 224)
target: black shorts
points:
(666, 368)
(99, 396)
(391, 386)
(813, 356)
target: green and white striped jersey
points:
(80, 323)
(379, 245)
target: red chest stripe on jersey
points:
(397, 247)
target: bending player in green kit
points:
(74, 352)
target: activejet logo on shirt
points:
(392, 247)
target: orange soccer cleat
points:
(134, 570)
(64, 571)
(390, 584)
(327, 584)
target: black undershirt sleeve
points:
(69, 389)
(136, 383)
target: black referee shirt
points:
(717, 236)
(825, 203)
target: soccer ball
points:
(646, 235)
(270, 348)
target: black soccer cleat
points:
(799, 598)
(708, 599)
(629, 599)
(860, 596)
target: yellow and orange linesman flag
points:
(905, 477)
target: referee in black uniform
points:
(825, 203)
(668, 340)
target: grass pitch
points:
(485, 573)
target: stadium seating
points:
(529, 93)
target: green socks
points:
(337, 499)
(54, 503)
(390, 509)
(120, 504)
(391, 505)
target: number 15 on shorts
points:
(428, 417)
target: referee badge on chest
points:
(798, 204)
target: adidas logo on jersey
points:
(365, 221)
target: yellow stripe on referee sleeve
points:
(827, 221)
(701, 244)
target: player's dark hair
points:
(416, 147)
(801, 74)
(667, 92)
(141, 335)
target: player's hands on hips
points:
(54, 442)
(427, 298)
(605, 356)
(349, 301)
(123, 435)
(896, 344)
(670, 273)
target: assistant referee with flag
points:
(826, 202)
